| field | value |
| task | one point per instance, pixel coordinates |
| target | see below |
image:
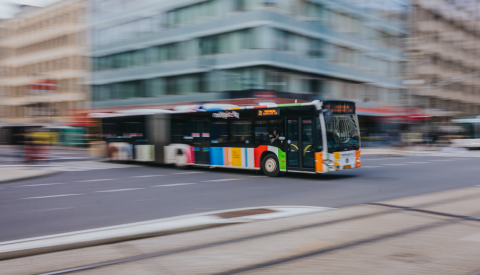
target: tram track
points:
(451, 218)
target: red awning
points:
(419, 117)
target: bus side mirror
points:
(328, 116)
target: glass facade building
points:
(154, 52)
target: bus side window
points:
(180, 129)
(268, 131)
(219, 132)
(241, 131)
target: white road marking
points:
(94, 180)
(51, 209)
(43, 184)
(174, 184)
(118, 190)
(257, 176)
(418, 162)
(187, 173)
(220, 180)
(146, 200)
(442, 160)
(65, 195)
(147, 176)
(370, 166)
(374, 159)
(394, 164)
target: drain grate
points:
(241, 213)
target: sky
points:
(7, 9)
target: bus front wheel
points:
(270, 165)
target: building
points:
(168, 52)
(445, 46)
(43, 63)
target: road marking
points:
(43, 184)
(220, 180)
(94, 180)
(147, 176)
(118, 190)
(442, 160)
(374, 159)
(175, 184)
(370, 166)
(394, 164)
(257, 176)
(187, 173)
(418, 162)
(65, 195)
(51, 209)
(146, 200)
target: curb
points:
(48, 173)
(61, 160)
(111, 234)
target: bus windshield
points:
(342, 133)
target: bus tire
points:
(180, 160)
(270, 165)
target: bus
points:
(468, 133)
(313, 137)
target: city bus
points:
(313, 137)
(469, 133)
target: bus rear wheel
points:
(181, 160)
(270, 165)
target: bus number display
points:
(269, 112)
(341, 107)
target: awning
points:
(419, 117)
(363, 113)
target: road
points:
(95, 194)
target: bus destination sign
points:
(269, 112)
(340, 107)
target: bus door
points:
(301, 144)
(201, 141)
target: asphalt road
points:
(100, 194)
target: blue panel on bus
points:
(216, 156)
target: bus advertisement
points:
(313, 137)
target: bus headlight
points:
(329, 162)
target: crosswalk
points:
(73, 166)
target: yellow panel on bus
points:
(237, 157)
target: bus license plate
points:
(347, 167)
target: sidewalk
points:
(15, 154)
(16, 173)
(437, 233)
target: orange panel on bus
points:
(319, 162)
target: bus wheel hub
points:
(181, 159)
(270, 165)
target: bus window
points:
(133, 129)
(318, 135)
(268, 131)
(240, 131)
(180, 130)
(110, 129)
(219, 132)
